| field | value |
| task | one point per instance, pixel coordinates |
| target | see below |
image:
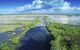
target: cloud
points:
(24, 7)
(37, 4)
(20, 8)
(53, 6)
(40, 4)
(65, 6)
(28, 6)
(68, 9)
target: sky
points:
(39, 6)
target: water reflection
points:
(36, 39)
(5, 36)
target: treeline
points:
(67, 37)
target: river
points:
(5, 36)
(37, 38)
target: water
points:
(5, 36)
(42, 22)
(36, 39)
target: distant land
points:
(40, 14)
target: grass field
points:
(11, 25)
(11, 22)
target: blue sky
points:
(39, 6)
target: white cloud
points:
(54, 2)
(24, 7)
(39, 11)
(65, 6)
(39, 1)
(38, 5)
(21, 8)
(28, 6)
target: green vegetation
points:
(11, 25)
(8, 27)
(14, 41)
(67, 37)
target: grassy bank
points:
(14, 40)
